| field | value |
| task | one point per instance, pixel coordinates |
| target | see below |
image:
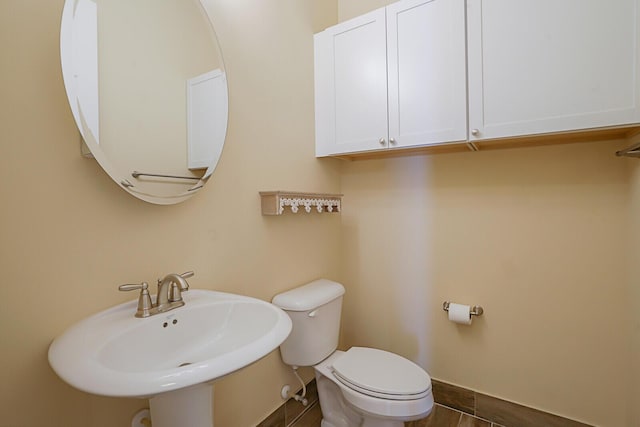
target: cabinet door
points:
(427, 79)
(551, 65)
(351, 86)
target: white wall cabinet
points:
(395, 77)
(548, 66)
(398, 76)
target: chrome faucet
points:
(169, 294)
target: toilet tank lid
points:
(309, 296)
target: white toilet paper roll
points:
(460, 313)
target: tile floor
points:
(441, 416)
(456, 407)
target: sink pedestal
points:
(191, 406)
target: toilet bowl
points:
(366, 392)
(360, 387)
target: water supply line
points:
(300, 397)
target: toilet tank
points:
(315, 310)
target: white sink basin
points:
(113, 353)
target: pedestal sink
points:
(170, 358)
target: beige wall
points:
(348, 9)
(536, 236)
(634, 286)
(70, 236)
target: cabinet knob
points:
(382, 141)
(392, 141)
(475, 132)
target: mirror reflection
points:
(147, 87)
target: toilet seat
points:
(367, 404)
(381, 374)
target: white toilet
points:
(362, 387)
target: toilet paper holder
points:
(476, 310)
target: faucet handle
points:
(187, 274)
(144, 300)
(134, 286)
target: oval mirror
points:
(147, 87)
